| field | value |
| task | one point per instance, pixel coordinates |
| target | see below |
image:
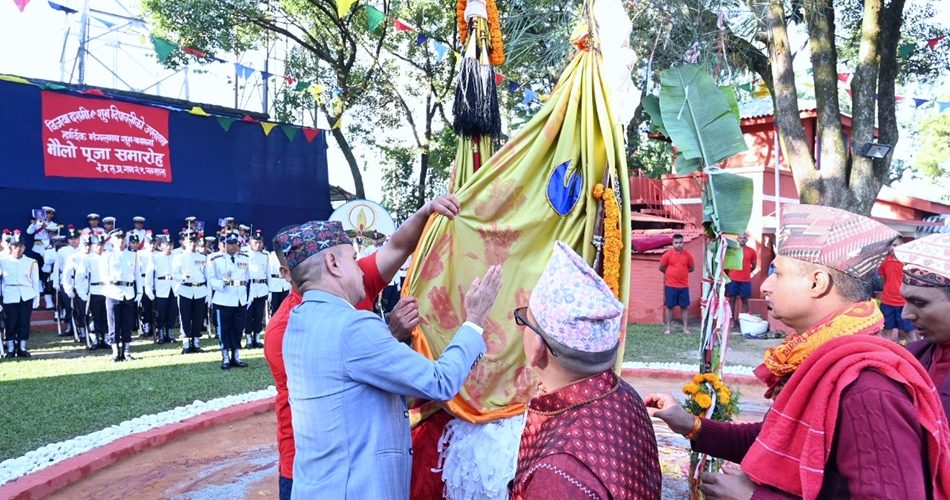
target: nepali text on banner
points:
(104, 139)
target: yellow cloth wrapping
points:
(507, 218)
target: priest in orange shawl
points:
(854, 415)
(926, 289)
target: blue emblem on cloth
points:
(564, 196)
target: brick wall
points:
(646, 286)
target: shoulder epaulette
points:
(216, 256)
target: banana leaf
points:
(698, 116)
(728, 201)
(651, 104)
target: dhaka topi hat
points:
(850, 243)
(926, 260)
(576, 309)
(300, 242)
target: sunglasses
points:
(521, 319)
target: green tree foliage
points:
(933, 157)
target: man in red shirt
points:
(892, 302)
(676, 264)
(378, 270)
(740, 285)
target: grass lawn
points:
(64, 391)
(648, 344)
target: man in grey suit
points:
(347, 376)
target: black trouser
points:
(229, 320)
(80, 316)
(276, 299)
(120, 315)
(146, 311)
(17, 321)
(165, 312)
(192, 312)
(65, 304)
(97, 306)
(254, 322)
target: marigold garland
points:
(700, 390)
(496, 56)
(613, 241)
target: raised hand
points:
(481, 295)
(448, 206)
(404, 318)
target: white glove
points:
(36, 302)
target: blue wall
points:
(266, 181)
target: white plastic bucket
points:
(752, 325)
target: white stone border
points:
(683, 367)
(53, 453)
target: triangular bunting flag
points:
(51, 86)
(513, 86)
(499, 78)
(844, 77)
(243, 71)
(316, 89)
(906, 50)
(374, 17)
(17, 79)
(289, 80)
(932, 43)
(94, 91)
(290, 131)
(746, 86)
(310, 133)
(226, 122)
(197, 111)
(401, 26)
(249, 119)
(898, 98)
(943, 105)
(343, 7)
(265, 75)
(529, 96)
(421, 39)
(339, 122)
(440, 50)
(268, 126)
(163, 48)
(102, 21)
(195, 52)
(918, 102)
(301, 85)
(21, 4)
(65, 9)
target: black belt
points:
(163, 278)
(275, 276)
(98, 283)
(195, 284)
(258, 281)
(122, 283)
(234, 283)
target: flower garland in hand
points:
(700, 391)
(613, 237)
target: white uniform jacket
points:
(228, 277)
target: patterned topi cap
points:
(576, 309)
(850, 243)
(926, 260)
(300, 242)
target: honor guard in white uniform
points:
(138, 229)
(189, 271)
(63, 303)
(42, 229)
(123, 289)
(92, 223)
(46, 272)
(228, 276)
(191, 223)
(160, 287)
(75, 280)
(276, 284)
(97, 301)
(20, 286)
(146, 311)
(105, 238)
(258, 271)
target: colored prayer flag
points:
(421, 39)
(918, 102)
(105, 23)
(529, 95)
(21, 4)
(63, 8)
(374, 17)
(197, 111)
(440, 50)
(290, 131)
(243, 71)
(195, 52)
(226, 122)
(513, 86)
(163, 48)
(932, 43)
(17, 79)
(250, 119)
(310, 133)
(906, 50)
(268, 126)
(402, 26)
(499, 78)
(343, 7)
(301, 85)
(943, 105)
(265, 75)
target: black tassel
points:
(476, 101)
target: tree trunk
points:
(861, 179)
(833, 155)
(350, 158)
(891, 21)
(424, 157)
(785, 102)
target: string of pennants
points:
(289, 130)
(374, 18)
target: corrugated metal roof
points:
(757, 108)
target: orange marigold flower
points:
(703, 400)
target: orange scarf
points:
(861, 318)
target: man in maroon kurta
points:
(587, 434)
(854, 415)
(926, 289)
